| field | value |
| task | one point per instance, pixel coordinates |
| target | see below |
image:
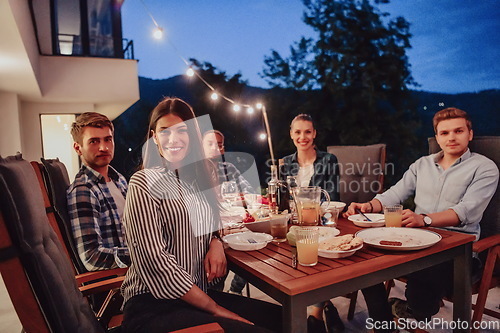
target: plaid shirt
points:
(96, 224)
(326, 172)
(227, 171)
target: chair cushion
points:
(361, 168)
(41, 253)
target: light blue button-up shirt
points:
(466, 187)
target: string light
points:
(158, 33)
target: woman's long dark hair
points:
(196, 168)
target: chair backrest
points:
(47, 268)
(488, 146)
(57, 182)
(38, 168)
(361, 171)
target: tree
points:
(358, 67)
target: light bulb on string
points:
(158, 33)
(214, 96)
(236, 108)
(190, 72)
(258, 106)
(250, 110)
(262, 136)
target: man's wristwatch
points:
(427, 220)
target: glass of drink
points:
(229, 191)
(307, 245)
(330, 214)
(279, 226)
(393, 215)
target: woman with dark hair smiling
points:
(171, 224)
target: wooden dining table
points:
(270, 269)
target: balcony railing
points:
(99, 46)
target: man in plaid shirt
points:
(213, 146)
(97, 196)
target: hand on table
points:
(215, 260)
(351, 210)
(412, 219)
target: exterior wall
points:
(30, 118)
(10, 126)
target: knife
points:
(294, 257)
(360, 212)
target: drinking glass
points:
(229, 192)
(393, 215)
(279, 226)
(307, 241)
(330, 214)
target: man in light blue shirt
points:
(452, 189)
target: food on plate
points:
(392, 243)
(341, 243)
(248, 218)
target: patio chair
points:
(489, 242)
(56, 182)
(46, 295)
(361, 171)
(106, 304)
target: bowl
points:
(340, 205)
(338, 254)
(241, 241)
(377, 220)
(261, 225)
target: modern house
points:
(59, 58)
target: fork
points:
(360, 212)
(251, 240)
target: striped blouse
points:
(168, 226)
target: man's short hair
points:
(215, 132)
(92, 119)
(450, 113)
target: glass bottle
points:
(272, 190)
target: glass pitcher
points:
(307, 202)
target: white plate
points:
(410, 238)
(240, 241)
(338, 254)
(233, 212)
(359, 220)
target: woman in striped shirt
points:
(171, 224)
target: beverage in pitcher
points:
(307, 200)
(308, 213)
